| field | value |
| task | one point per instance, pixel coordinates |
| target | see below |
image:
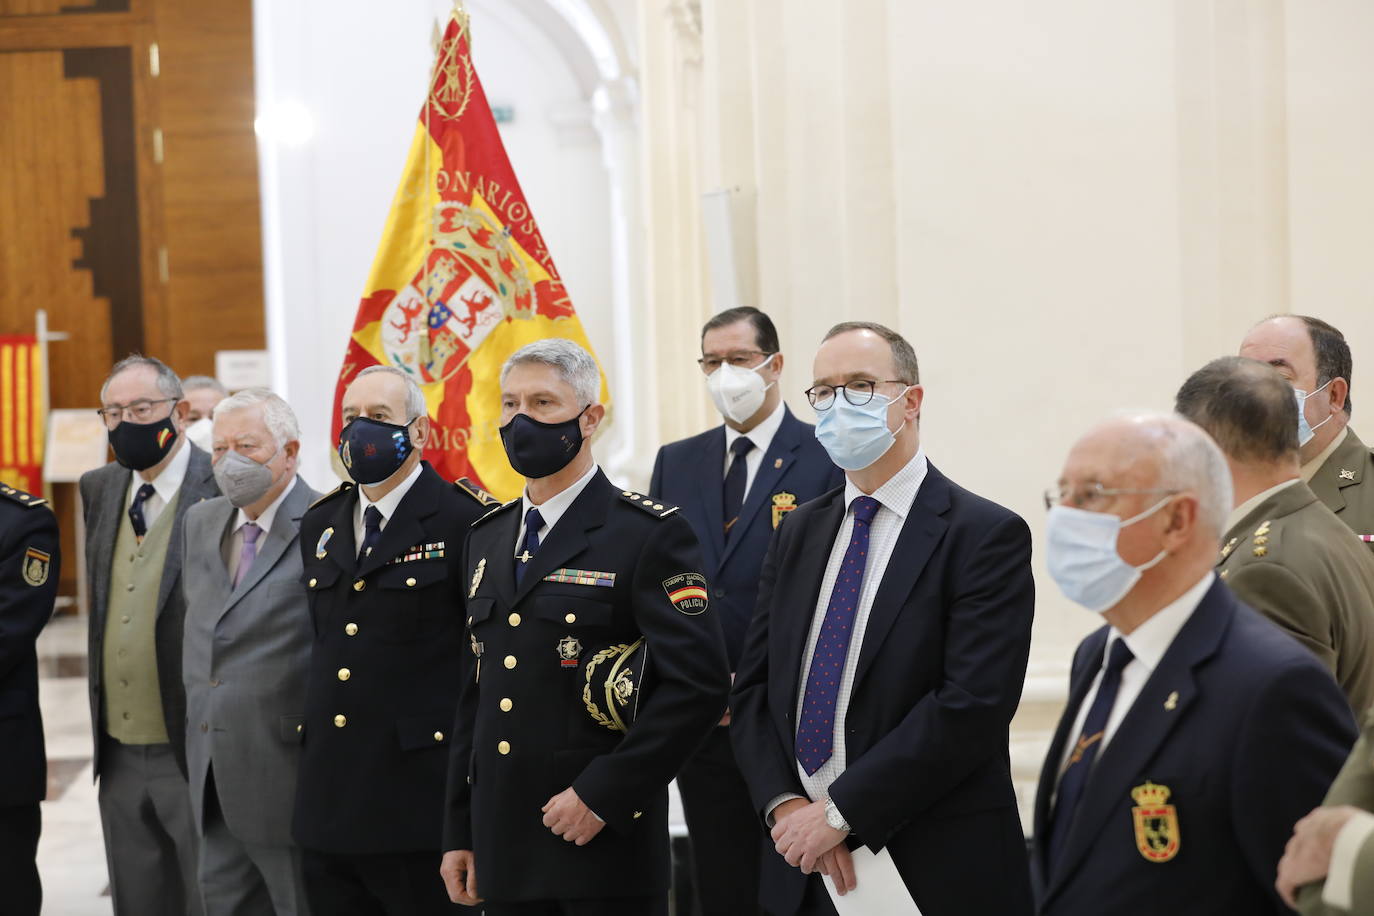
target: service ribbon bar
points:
(581, 577)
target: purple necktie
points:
(249, 553)
(816, 729)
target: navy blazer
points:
(1246, 730)
(938, 679)
(690, 473)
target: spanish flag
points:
(462, 278)
(21, 413)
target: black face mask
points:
(139, 446)
(372, 450)
(537, 449)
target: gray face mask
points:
(241, 479)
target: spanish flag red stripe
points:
(691, 591)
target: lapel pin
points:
(1172, 703)
(1347, 475)
(777, 463)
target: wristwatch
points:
(834, 818)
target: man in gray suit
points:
(134, 511)
(245, 659)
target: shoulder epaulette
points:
(482, 496)
(651, 506)
(1260, 547)
(496, 510)
(19, 496)
(345, 487)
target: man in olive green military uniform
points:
(1315, 359)
(1284, 553)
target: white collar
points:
(1310, 469)
(1149, 641)
(1239, 512)
(167, 483)
(761, 435)
(388, 503)
(899, 493)
(552, 509)
(264, 521)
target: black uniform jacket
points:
(28, 587)
(524, 732)
(385, 670)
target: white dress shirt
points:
(386, 505)
(165, 486)
(551, 509)
(762, 437)
(895, 499)
(1148, 643)
(263, 521)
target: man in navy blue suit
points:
(884, 663)
(735, 484)
(1196, 731)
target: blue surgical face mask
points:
(1082, 557)
(1305, 431)
(855, 437)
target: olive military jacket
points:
(1345, 484)
(1353, 786)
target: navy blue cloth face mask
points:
(537, 449)
(372, 451)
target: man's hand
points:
(1307, 857)
(839, 865)
(460, 877)
(802, 836)
(567, 817)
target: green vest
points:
(133, 699)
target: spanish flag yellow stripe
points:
(21, 406)
(36, 403)
(7, 404)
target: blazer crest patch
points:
(36, 566)
(1156, 823)
(783, 503)
(320, 552)
(687, 592)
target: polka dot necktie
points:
(136, 516)
(816, 728)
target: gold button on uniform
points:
(571, 618)
(312, 582)
(506, 704)
(503, 748)
(510, 661)
(438, 736)
(359, 585)
(345, 674)
(340, 721)
(513, 620)
(124, 619)
(638, 815)
(410, 583)
(299, 728)
(351, 629)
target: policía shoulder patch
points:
(647, 504)
(687, 592)
(36, 566)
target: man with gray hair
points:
(381, 568)
(1196, 732)
(202, 393)
(576, 593)
(1284, 553)
(134, 512)
(245, 656)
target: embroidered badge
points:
(1347, 475)
(320, 552)
(36, 565)
(687, 592)
(568, 650)
(477, 576)
(1156, 823)
(581, 577)
(783, 503)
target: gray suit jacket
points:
(103, 493)
(245, 660)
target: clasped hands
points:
(802, 836)
(1307, 857)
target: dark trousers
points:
(817, 901)
(395, 884)
(727, 835)
(601, 906)
(19, 829)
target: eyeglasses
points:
(1092, 496)
(140, 411)
(858, 392)
(740, 359)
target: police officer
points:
(381, 566)
(600, 668)
(28, 587)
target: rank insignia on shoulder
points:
(581, 577)
(1230, 546)
(783, 503)
(651, 506)
(687, 592)
(320, 552)
(344, 487)
(1156, 823)
(19, 496)
(476, 492)
(36, 566)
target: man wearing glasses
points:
(134, 510)
(884, 663)
(735, 484)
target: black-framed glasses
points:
(858, 392)
(1093, 496)
(140, 411)
(740, 359)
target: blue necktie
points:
(533, 522)
(372, 531)
(1074, 779)
(816, 728)
(735, 479)
(141, 496)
